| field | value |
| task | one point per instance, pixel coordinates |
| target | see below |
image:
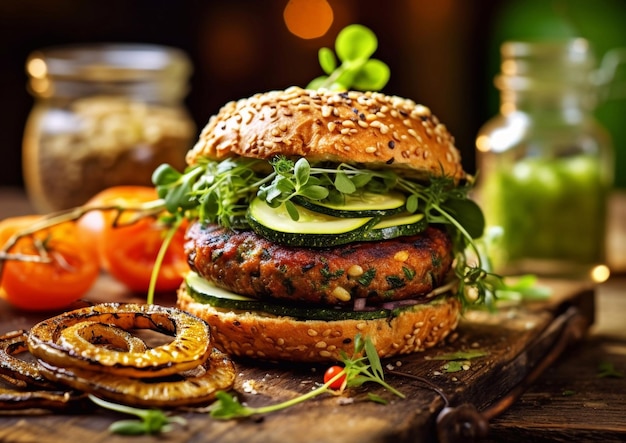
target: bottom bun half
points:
(256, 336)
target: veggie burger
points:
(318, 216)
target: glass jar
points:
(544, 163)
(104, 115)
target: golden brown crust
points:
(245, 334)
(354, 127)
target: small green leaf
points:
(412, 203)
(315, 192)
(317, 83)
(372, 355)
(327, 60)
(344, 184)
(376, 398)
(373, 76)
(292, 210)
(361, 180)
(128, 427)
(164, 175)
(301, 171)
(355, 42)
(468, 214)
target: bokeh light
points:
(308, 19)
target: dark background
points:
(442, 53)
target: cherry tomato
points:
(128, 252)
(332, 372)
(72, 270)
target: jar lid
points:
(546, 65)
(106, 63)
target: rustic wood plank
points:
(515, 340)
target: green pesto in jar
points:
(549, 209)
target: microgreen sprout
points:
(355, 44)
(362, 367)
(151, 421)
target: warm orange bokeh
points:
(308, 18)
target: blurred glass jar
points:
(544, 163)
(104, 115)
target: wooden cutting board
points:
(518, 342)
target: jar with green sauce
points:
(544, 163)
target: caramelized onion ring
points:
(190, 347)
(218, 373)
(26, 376)
(13, 400)
(17, 370)
(90, 333)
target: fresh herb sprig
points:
(355, 44)
(151, 421)
(362, 367)
(217, 192)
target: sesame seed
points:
(312, 332)
(363, 124)
(321, 345)
(325, 354)
(370, 149)
(331, 126)
(348, 124)
(247, 117)
(345, 131)
(360, 326)
(326, 111)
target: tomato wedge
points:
(128, 251)
(71, 271)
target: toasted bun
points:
(250, 335)
(367, 128)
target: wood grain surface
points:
(514, 341)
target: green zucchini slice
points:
(311, 230)
(367, 204)
(204, 291)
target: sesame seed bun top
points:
(367, 128)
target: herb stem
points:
(167, 240)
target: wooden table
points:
(567, 402)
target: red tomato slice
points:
(72, 270)
(129, 251)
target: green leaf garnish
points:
(151, 421)
(355, 44)
(363, 366)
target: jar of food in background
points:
(544, 163)
(104, 115)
